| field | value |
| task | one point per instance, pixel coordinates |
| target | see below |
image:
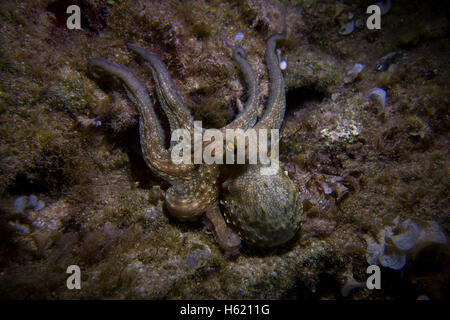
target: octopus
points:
(261, 210)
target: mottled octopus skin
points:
(266, 210)
(263, 210)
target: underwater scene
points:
(224, 150)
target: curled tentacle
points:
(225, 237)
(189, 199)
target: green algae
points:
(393, 163)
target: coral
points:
(353, 72)
(380, 96)
(394, 242)
(343, 132)
(24, 202)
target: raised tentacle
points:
(178, 114)
(273, 115)
(247, 118)
(157, 157)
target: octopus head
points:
(265, 210)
